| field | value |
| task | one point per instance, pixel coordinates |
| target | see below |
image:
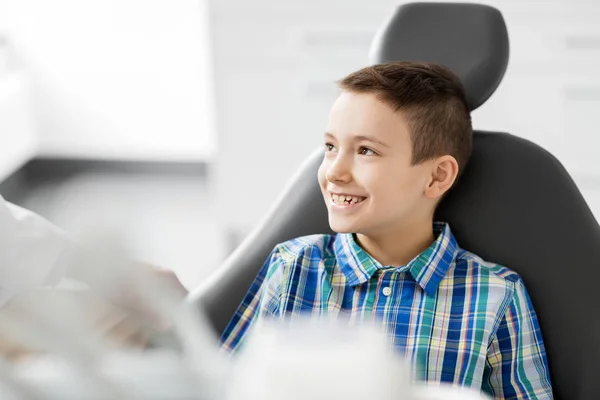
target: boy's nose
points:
(338, 172)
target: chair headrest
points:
(469, 39)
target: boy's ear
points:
(443, 174)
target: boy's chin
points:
(343, 227)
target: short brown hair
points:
(432, 100)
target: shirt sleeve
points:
(262, 299)
(32, 251)
(516, 366)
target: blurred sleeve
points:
(32, 251)
(262, 299)
(516, 366)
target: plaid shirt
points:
(457, 318)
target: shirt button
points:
(387, 291)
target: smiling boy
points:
(398, 137)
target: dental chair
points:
(515, 204)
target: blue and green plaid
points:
(457, 318)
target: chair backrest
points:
(515, 204)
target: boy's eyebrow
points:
(360, 138)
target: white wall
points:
(550, 92)
(133, 79)
(276, 62)
(126, 79)
(17, 129)
(18, 143)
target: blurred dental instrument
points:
(55, 322)
(55, 325)
(11, 388)
(321, 359)
(139, 290)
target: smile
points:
(346, 200)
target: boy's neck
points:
(400, 246)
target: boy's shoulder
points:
(313, 246)
(468, 260)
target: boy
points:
(398, 137)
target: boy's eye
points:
(365, 151)
(329, 147)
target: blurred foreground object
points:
(31, 251)
(34, 253)
(63, 311)
(78, 344)
(323, 360)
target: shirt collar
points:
(427, 269)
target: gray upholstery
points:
(515, 205)
(470, 39)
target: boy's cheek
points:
(322, 180)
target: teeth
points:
(337, 199)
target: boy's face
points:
(368, 155)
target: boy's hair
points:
(432, 100)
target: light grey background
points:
(244, 89)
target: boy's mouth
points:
(346, 200)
